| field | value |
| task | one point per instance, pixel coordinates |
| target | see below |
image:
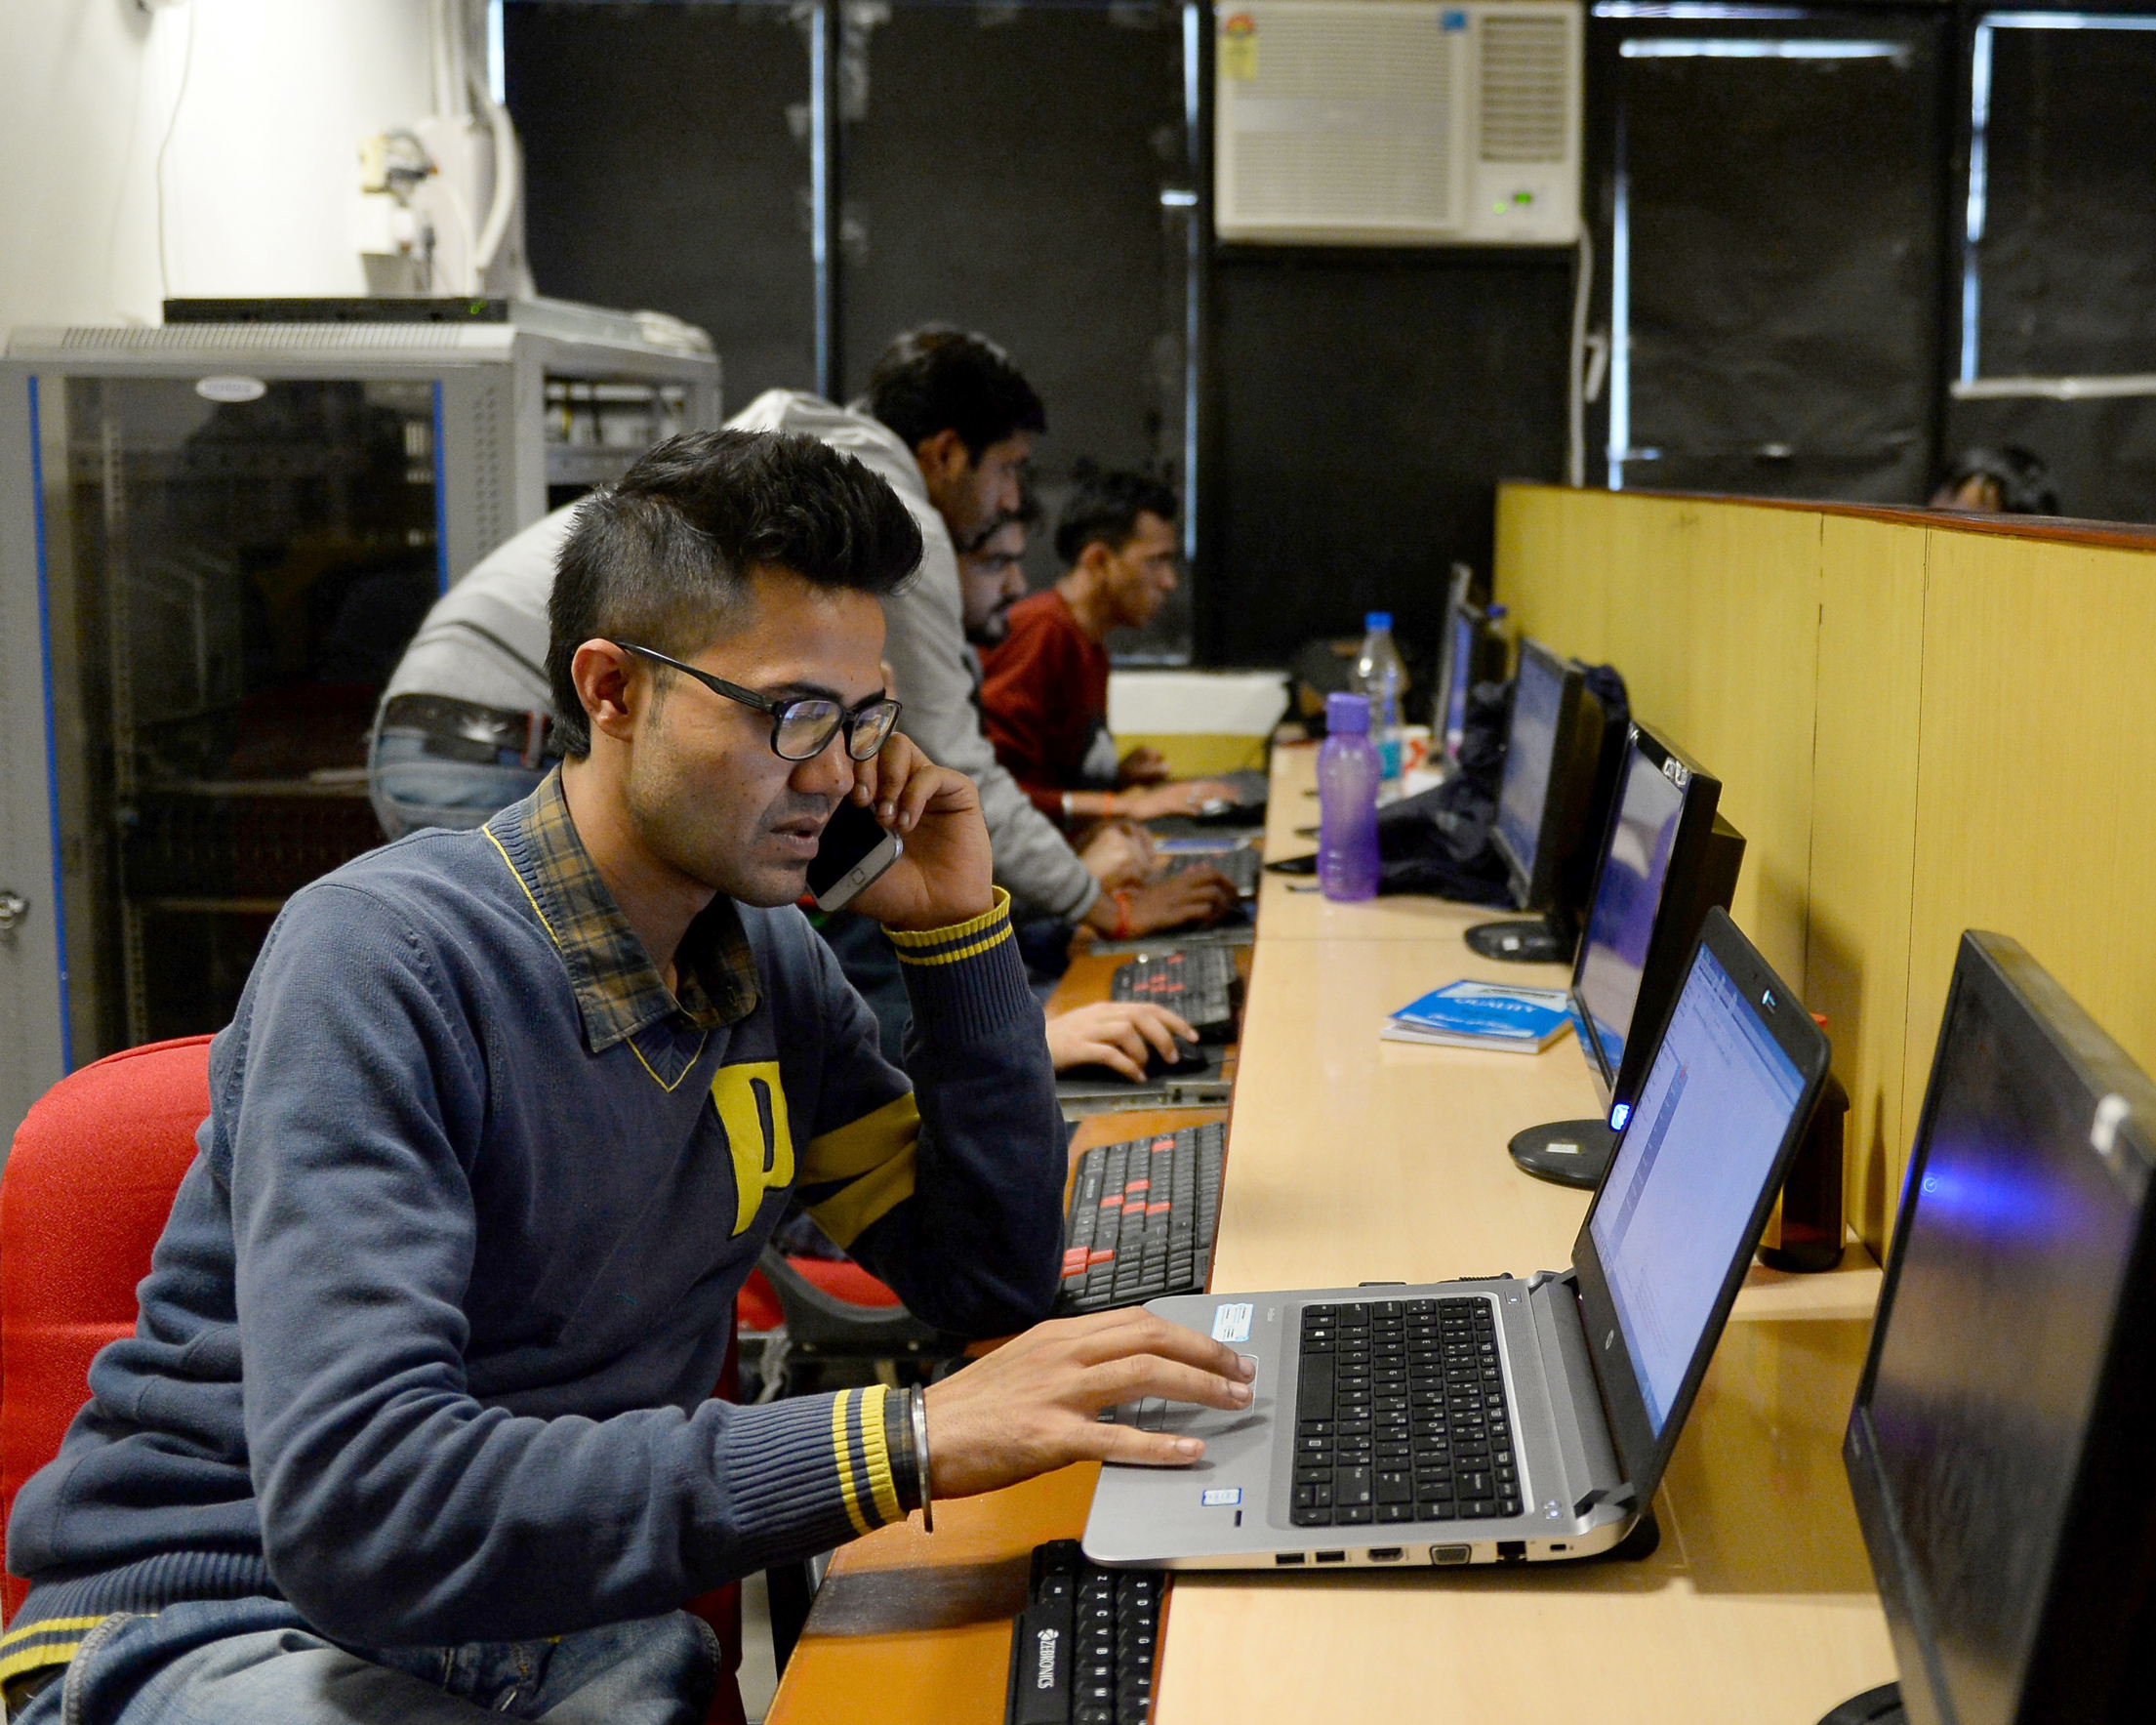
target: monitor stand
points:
(1566, 1152)
(1524, 940)
(1875, 1707)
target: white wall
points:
(262, 172)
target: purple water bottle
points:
(1347, 801)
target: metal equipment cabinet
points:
(216, 538)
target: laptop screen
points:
(1680, 1196)
(1627, 895)
(1531, 749)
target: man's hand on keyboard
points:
(1183, 797)
(1034, 1404)
(1115, 1033)
(1197, 895)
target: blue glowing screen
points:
(1628, 894)
(2011, 1261)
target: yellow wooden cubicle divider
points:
(1922, 724)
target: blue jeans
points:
(412, 788)
(254, 1661)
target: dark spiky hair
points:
(663, 557)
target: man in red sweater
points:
(1044, 694)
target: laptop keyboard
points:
(1401, 1414)
(1083, 1650)
(1141, 1220)
(1197, 982)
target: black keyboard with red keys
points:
(1401, 1414)
(1199, 982)
(1142, 1218)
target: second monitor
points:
(1668, 856)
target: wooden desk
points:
(1351, 1159)
(1291, 908)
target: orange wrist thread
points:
(1124, 929)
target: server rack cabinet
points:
(216, 538)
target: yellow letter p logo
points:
(751, 1107)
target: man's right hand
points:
(1118, 1035)
(1181, 796)
(1032, 1405)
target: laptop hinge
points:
(1617, 1496)
(1570, 1281)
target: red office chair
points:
(84, 1196)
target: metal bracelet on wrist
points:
(918, 1400)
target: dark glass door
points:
(233, 581)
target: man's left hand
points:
(945, 875)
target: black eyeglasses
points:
(801, 729)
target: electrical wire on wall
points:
(508, 177)
(172, 125)
(1583, 388)
(463, 86)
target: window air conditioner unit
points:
(1387, 122)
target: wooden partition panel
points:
(1923, 724)
(1711, 613)
(2036, 807)
(1863, 839)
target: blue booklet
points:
(1467, 1015)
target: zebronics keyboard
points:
(1199, 982)
(1142, 1218)
(1082, 1652)
(1241, 865)
(1401, 1414)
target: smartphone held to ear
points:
(853, 853)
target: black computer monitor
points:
(1666, 855)
(1473, 652)
(1998, 1449)
(1547, 799)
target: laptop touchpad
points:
(1156, 1414)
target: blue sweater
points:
(425, 1345)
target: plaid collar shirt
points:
(618, 988)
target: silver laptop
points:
(1498, 1420)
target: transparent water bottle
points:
(1380, 676)
(1347, 802)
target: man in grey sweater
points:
(949, 426)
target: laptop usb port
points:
(1287, 1557)
(1332, 1557)
(1384, 1554)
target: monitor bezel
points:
(1533, 884)
(2037, 1019)
(1641, 1452)
(1701, 798)
(1477, 618)
(1458, 584)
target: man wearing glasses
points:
(415, 1424)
